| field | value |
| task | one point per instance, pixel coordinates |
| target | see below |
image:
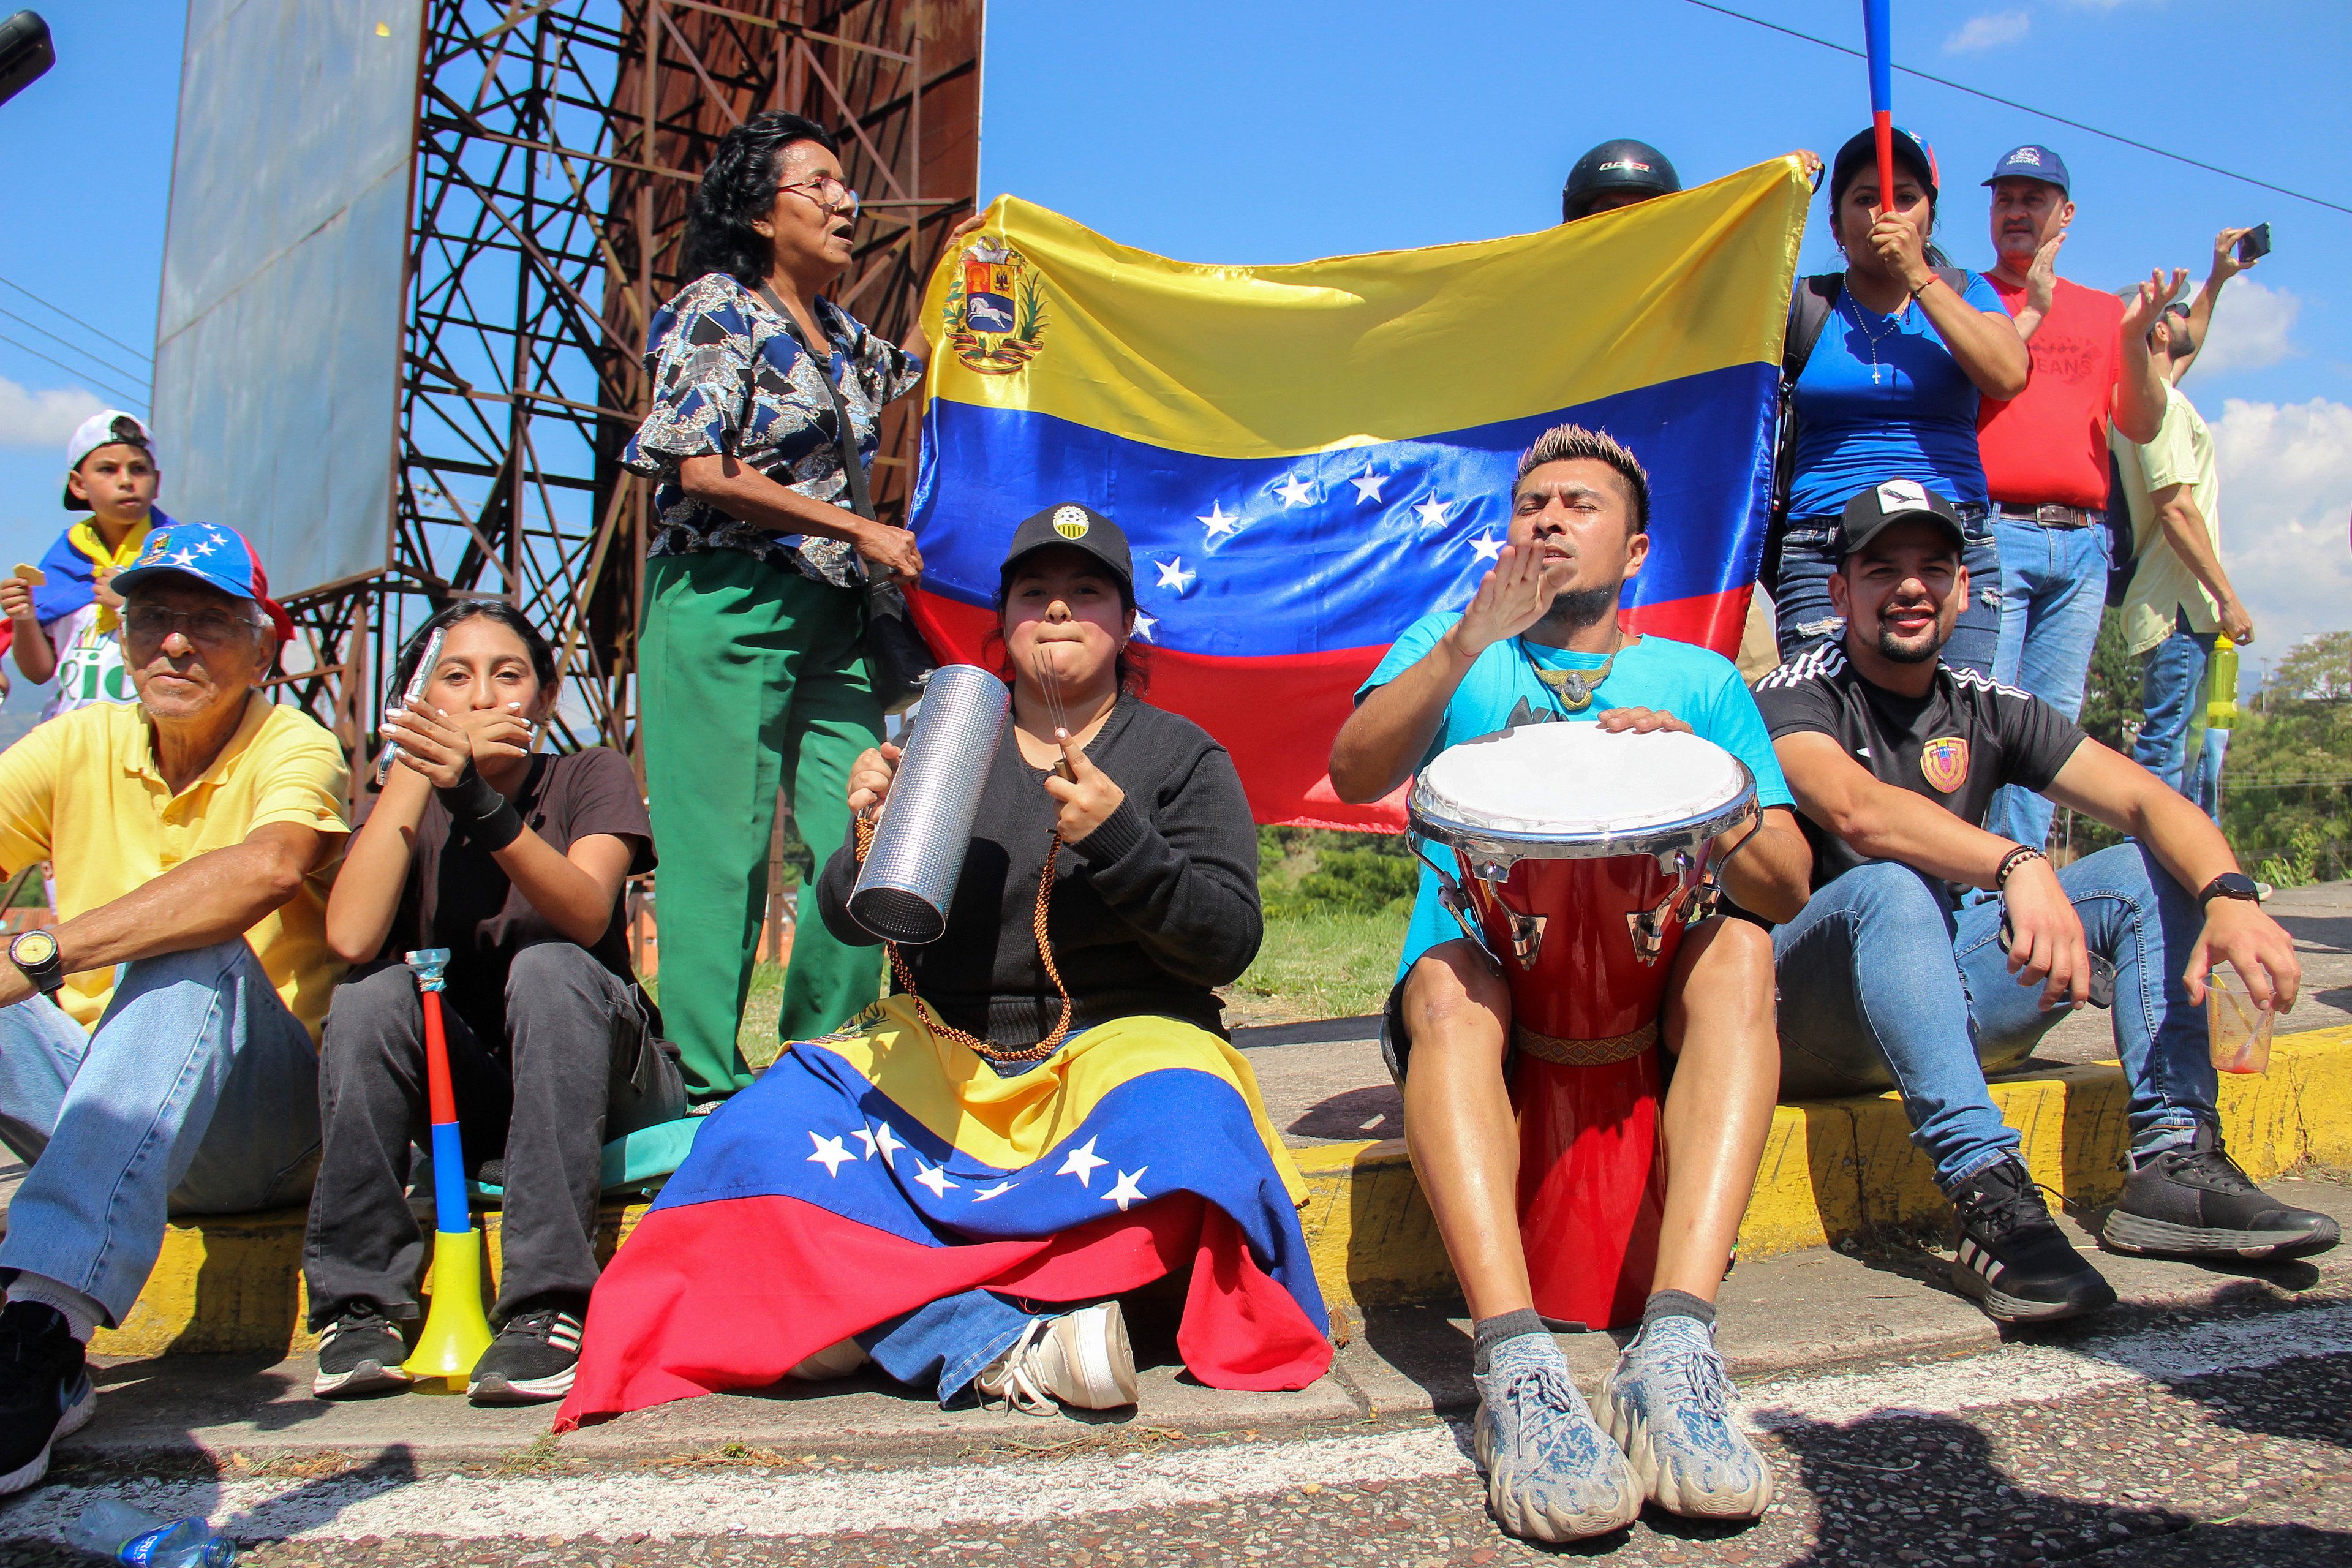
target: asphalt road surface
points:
(2202, 1440)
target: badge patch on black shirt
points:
(1945, 761)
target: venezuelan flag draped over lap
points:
(887, 1166)
(1308, 458)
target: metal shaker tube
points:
(909, 877)
(416, 682)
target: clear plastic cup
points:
(2239, 1032)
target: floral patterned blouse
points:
(731, 376)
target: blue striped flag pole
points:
(1874, 28)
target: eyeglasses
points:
(206, 629)
(825, 192)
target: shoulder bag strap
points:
(844, 438)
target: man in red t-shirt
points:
(2045, 452)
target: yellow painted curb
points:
(1831, 1169)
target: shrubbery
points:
(1309, 871)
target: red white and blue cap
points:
(217, 556)
(2031, 162)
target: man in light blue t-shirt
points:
(1540, 641)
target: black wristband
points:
(482, 816)
(2011, 861)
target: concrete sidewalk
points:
(1811, 1310)
(1834, 1171)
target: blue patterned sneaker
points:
(1551, 1473)
(1668, 1403)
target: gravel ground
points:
(2233, 1468)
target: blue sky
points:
(1256, 133)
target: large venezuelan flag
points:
(1309, 457)
(886, 1166)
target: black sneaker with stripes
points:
(530, 1362)
(2013, 1259)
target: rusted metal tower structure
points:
(556, 144)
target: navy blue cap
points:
(2031, 162)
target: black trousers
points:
(576, 1068)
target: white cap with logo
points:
(105, 428)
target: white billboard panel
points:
(278, 340)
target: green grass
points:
(1323, 964)
(756, 1038)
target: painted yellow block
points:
(1895, 1181)
(1368, 1228)
(232, 1285)
(2321, 1064)
(1808, 1188)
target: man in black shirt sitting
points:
(1886, 982)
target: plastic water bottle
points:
(117, 1529)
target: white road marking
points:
(714, 1502)
(2040, 1374)
(706, 1503)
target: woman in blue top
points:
(1890, 393)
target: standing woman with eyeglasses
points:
(751, 668)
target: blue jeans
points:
(1800, 595)
(198, 1093)
(1882, 986)
(2171, 692)
(946, 1342)
(2206, 778)
(2054, 587)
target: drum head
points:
(1565, 782)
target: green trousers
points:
(747, 671)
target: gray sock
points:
(1488, 1333)
(1677, 1304)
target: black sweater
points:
(1150, 910)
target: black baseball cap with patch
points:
(1882, 506)
(1076, 527)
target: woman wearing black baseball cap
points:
(1151, 900)
(1902, 347)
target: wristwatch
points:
(36, 955)
(2230, 885)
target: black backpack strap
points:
(845, 436)
(1810, 304)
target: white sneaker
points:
(836, 1360)
(1080, 1358)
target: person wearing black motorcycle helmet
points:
(1616, 174)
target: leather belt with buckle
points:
(2052, 516)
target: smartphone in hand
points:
(2254, 244)
(2102, 972)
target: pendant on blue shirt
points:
(1574, 688)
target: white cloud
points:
(1990, 31)
(2286, 492)
(42, 418)
(2250, 328)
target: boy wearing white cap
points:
(64, 618)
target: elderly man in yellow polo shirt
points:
(158, 1048)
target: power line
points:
(2029, 108)
(69, 370)
(78, 321)
(130, 375)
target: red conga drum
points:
(1582, 856)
